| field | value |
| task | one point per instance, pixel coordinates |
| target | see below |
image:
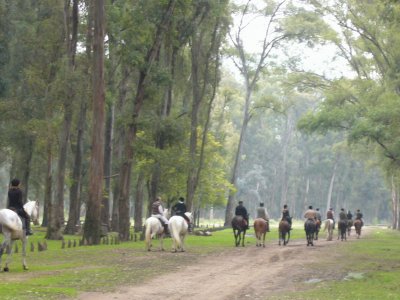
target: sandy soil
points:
(241, 273)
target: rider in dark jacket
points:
(286, 216)
(15, 203)
(242, 211)
(359, 216)
(180, 209)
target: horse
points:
(13, 229)
(309, 227)
(284, 232)
(342, 229)
(260, 229)
(317, 228)
(328, 225)
(349, 224)
(239, 227)
(357, 226)
(154, 228)
(178, 227)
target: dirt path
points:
(240, 273)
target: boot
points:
(190, 228)
(28, 230)
(166, 231)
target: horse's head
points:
(190, 216)
(32, 209)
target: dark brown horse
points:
(309, 227)
(342, 229)
(349, 225)
(357, 226)
(239, 227)
(284, 232)
(260, 229)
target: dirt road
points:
(240, 273)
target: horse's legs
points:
(24, 242)
(263, 242)
(244, 234)
(3, 247)
(9, 250)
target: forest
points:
(107, 104)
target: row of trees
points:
(106, 105)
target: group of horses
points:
(177, 226)
(311, 228)
(13, 228)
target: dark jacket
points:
(179, 208)
(241, 211)
(359, 216)
(15, 201)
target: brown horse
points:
(357, 225)
(309, 227)
(260, 229)
(342, 229)
(239, 227)
(284, 232)
(349, 225)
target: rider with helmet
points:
(180, 209)
(331, 215)
(359, 216)
(286, 216)
(349, 215)
(157, 211)
(240, 210)
(15, 203)
(263, 214)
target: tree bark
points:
(92, 227)
(125, 172)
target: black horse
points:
(309, 227)
(284, 232)
(342, 226)
(239, 227)
(317, 229)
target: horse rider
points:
(331, 215)
(15, 203)
(240, 210)
(349, 215)
(179, 209)
(263, 214)
(286, 216)
(359, 216)
(310, 214)
(342, 215)
(157, 211)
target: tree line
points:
(107, 104)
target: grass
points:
(368, 269)
(63, 273)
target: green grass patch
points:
(368, 268)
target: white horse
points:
(154, 228)
(178, 227)
(328, 225)
(12, 229)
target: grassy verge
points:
(63, 273)
(366, 269)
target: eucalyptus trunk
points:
(92, 227)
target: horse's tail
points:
(147, 233)
(326, 224)
(175, 234)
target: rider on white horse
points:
(180, 210)
(15, 203)
(157, 211)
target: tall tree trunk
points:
(125, 172)
(331, 184)
(92, 228)
(71, 37)
(75, 197)
(138, 212)
(48, 184)
(395, 203)
(105, 205)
